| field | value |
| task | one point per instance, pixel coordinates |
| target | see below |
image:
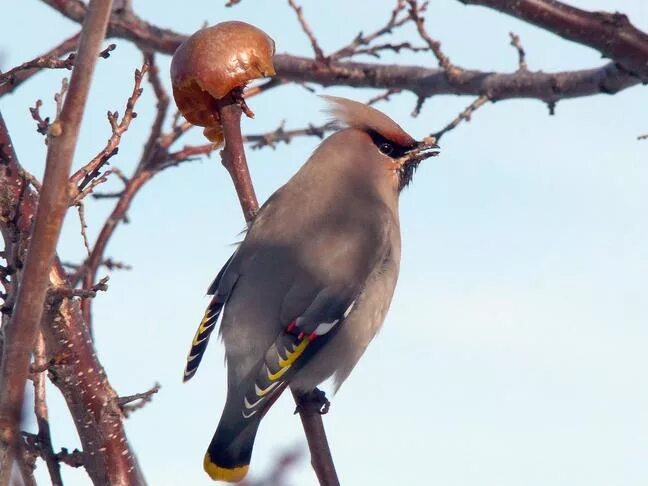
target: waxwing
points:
(309, 286)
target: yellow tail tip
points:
(219, 473)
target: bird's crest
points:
(358, 115)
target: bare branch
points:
(50, 61)
(611, 34)
(44, 438)
(53, 203)
(74, 367)
(82, 221)
(319, 54)
(92, 169)
(386, 96)
(515, 42)
(435, 46)
(463, 116)
(42, 125)
(547, 87)
(72, 459)
(364, 40)
(18, 77)
(127, 405)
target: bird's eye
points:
(386, 148)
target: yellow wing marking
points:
(285, 364)
(262, 392)
(204, 325)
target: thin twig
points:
(515, 42)
(84, 226)
(435, 46)
(271, 139)
(376, 50)
(86, 174)
(463, 116)
(363, 40)
(40, 409)
(66, 292)
(20, 76)
(76, 458)
(126, 403)
(47, 62)
(319, 54)
(386, 96)
(42, 124)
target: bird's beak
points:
(421, 151)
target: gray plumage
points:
(310, 285)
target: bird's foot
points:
(314, 401)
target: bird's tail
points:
(228, 455)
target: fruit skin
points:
(214, 61)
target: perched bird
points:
(309, 286)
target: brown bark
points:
(611, 34)
(73, 364)
(20, 333)
(548, 87)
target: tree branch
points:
(233, 155)
(40, 409)
(20, 334)
(83, 381)
(18, 77)
(424, 82)
(611, 34)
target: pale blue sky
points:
(515, 350)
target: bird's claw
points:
(313, 401)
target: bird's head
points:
(377, 143)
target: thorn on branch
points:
(515, 42)
(126, 403)
(105, 54)
(59, 98)
(420, 101)
(42, 125)
(72, 459)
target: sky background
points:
(515, 348)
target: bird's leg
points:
(314, 401)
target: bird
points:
(310, 284)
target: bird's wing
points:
(221, 288)
(294, 346)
